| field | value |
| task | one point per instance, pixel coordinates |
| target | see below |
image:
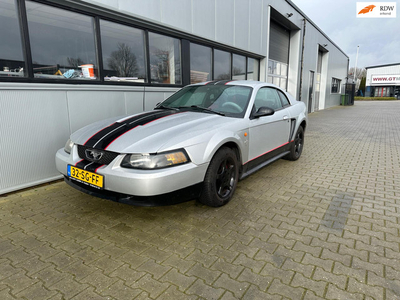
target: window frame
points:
(338, 85)
(123, 19)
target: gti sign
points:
(376, 10)
(385, 79)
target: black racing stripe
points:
(88, 165)
(107, 135)
(108, 130)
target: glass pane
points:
(165, 59)
(270, 79)
(123, 52)
(284, 100)
(284, 68)
(276, 81)
(62, 43)
(11, 58)
(267, 97)
(282, 84)
(222, 65)
(277, 70)
(271, 67)
(239, 67)
(252, 68)
(200, 63)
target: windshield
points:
(229, 100)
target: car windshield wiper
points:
(166, 107)
(204, 109)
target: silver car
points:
(196, 144)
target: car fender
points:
(223, 137)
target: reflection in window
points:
(278, 73)
(239, 67)
(222, 65)
(335, 86)
(11, 57)
(200, 63)
(252, 69)
(165, 59)
(123, 52)
(62, 43)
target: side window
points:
(284, 100)
(267, 97)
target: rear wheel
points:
(297, 145)
(221, 178)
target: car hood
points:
(167, 131)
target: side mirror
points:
(264, 111)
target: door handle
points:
(285, 117)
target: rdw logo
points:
(367, 9)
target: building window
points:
(11, 58)
(252, 68)
(222, 65)
(200, 63)
(239, 67)
(278, 73)
(335, 89)
(123, 52)
(62, 43)
(165, 59)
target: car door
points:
(268, 134)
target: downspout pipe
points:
(302, 59)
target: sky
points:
(378, 38)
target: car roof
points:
(249, 83)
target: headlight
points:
(155, 161)
(68, 146)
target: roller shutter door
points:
(279, 43)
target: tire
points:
(297, 146)
(221, 178)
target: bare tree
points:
(74, 62)
(123, 61)
(360, 73)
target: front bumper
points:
(138, 182)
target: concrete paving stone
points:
(90, 294)
(68, 287)
(339, 280)
(236, 287)
(376, 292)
(36, 291)
(173, 293)
(318, 287)
(223, 266)
(278, 288)
(207, 275)
(148, 284)
(180, 280)
(18, 281)
(338, 294)
(199, 288)
(127, 274)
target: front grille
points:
(106, 158)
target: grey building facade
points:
(65, 64)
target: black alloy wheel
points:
(221, 178)
(297, 146)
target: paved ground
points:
(324, 227)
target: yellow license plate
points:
(90, 178)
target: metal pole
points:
(355, 67)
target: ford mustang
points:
(196, 144)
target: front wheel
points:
(297, 145)
(221, 178)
